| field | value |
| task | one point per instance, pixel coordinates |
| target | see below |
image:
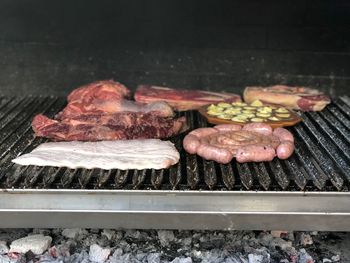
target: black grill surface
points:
(321, 160)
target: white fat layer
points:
(125, 154)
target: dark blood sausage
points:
(258, 127)
(255, 153)
(253, 143)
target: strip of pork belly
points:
(119, 126)
(99, 106)
(126, 154)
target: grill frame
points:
(137, 209)
(307, 192)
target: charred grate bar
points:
(321, 161)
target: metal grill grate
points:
(321, 160)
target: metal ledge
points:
(327, 211)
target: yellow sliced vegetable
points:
(249, 108)
(225, 116)
(256, 103)
(257, 120)
(233, 111)
(224, 105)
(282, 110)
(239, 104)
(238, 119)
(214, 113)
(274, 119)
(264, 115)
(283, 115)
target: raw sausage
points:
(209, 152)
(283, 134)
(258, 127)
(228, 127)
(254, 153)
(285, 149)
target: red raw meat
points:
(118, 126)
(107, 96)
(77, 108)
(99, 90)
(182, 100)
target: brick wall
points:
(53, 46)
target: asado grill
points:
(309, 191)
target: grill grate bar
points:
(138, 178)
(321, 159)
(279, 174)
(262, 175)
(103, 176)
(317, 158)
(297, 172)
(210, 176)
(331, 119)
(228, 176)
(329, 147)
(121, 178)
(314, 173)
(19, 139)
(157, 177)
(245, 175)
(339, 115)
(336, 138)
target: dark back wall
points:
(51, 47)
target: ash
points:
(123, 246)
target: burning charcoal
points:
(336, 258)
(304, 257)
(186, 241)
(281, 243)
(103, 241)
(36, 243)
(98, 254)
(153, 257)
(214, 255)
(94, 230)
(182, 260)
(132, 234)
(265, 239)
(74, 233)
(3, 248)
(140, 255)
(118, 257)
(90, 240)
(9, 235)
(60, 251)
(255, 258)
(83, 256)
(278, 233)
(165, 237)
(30, 256)
(305, 239)
(44, 232)
(108, 233)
